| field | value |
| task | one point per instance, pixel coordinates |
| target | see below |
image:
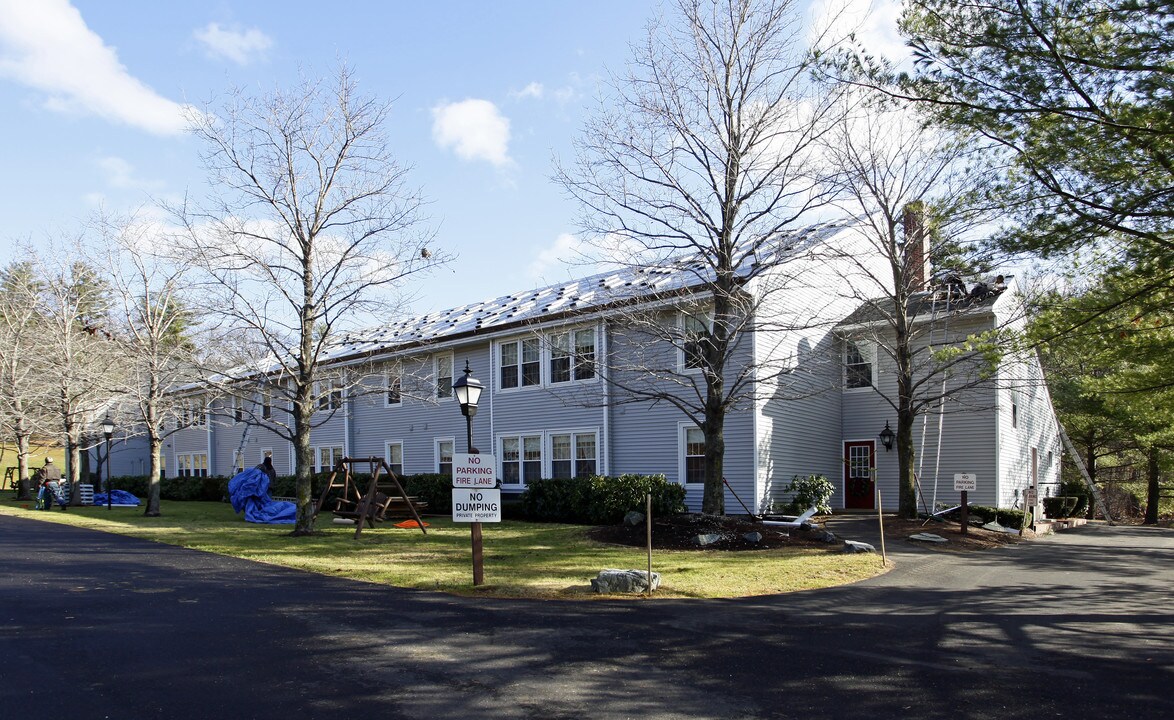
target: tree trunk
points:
(23, 490)
(1153, 487)
(907, 492)
(713, 501)
(303, 411)
(154, 475)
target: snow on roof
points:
(582, 296)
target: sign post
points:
(475, 499)
(963, 483)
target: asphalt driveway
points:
(102, 626)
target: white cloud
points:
(560, 255)
(474, 130)
(874, 23)
(46, 45)
(533, 90)
(239, 47)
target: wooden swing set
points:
(372, 505)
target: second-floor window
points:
(520, 363)
(572, 356)
(857, 366)
(695, 332)
(442, 369)
(329, 395)
(394, 386)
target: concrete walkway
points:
(103, 626)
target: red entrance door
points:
(859, 486)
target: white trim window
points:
(442, 371)
(395, 457)
(238, 464)
(266, 402)
(859, 365)
(329, 394)
(238, 410)
(444, 451)
(692, 469)
(573, 455)
(326, 457)
(193, 413)
(519, 363)
(521, 459)
(191, 464)
(393, 391)
(694, 333)
(572, 356)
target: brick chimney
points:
(916, 248)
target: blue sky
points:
(485, 94)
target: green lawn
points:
(536, 560)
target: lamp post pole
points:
(468, 391)
(108, 431)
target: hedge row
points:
(596, 500)
(1005, 517)
(600, 500)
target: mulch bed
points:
(678, 533)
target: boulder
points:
(852, 546)
(752, 537)
(633, 518)
(623, 581)
(706, 539)
(994, 527)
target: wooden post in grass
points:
(648, 526)
(880, 519)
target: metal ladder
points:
(1079, 461)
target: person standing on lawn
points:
(50, 475)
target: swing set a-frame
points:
(366, 507)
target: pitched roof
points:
(941, 299)
(574, 297)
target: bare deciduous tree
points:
(917, 192)
(25, 390)
(154, 325)
(703, 153)
(310, 226)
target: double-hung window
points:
(395, 457)
(393, 386)
(191, 464)
(521, 459)
(694, 335)
(520, 363)
(572, 356)
(857, 365)
(266, 404)
(694, 455)
(329, 395)
(326, 457)
(573, 455)
(444, 451)
(442, 371)
(238, 410)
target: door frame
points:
(845, 455)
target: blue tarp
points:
(249, 491)
(121, 497)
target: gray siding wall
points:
(798, 414)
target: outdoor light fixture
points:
(108, 431)
(468, 391)
(887, 436)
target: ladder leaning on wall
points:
(1079, 462)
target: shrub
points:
(600, 500)
(1061, 506)
(432, 488)
(813, 491)
(1006, 518)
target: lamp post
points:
(468, 392)
(108, 431)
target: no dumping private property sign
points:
(473, 505)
